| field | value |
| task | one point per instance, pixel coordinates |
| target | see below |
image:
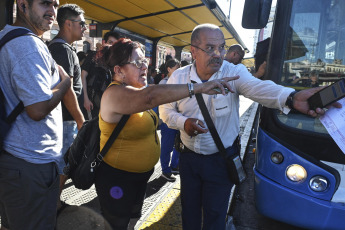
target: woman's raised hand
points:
(217, 86)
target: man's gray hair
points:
(195, 38)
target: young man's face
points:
(78, 27)
(41, 14)
(111, 40)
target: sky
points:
(246, 35)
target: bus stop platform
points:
(161, 209)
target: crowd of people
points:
(55, 89)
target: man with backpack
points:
(96, 77)
(29, 181)
(70, 18)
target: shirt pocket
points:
(221, 105)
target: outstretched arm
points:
(261, 71)
(118, 100)
(300, 102)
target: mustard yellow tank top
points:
(137, 147)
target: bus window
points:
(314, 52)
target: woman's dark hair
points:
(171, 63)
(119, 53)
(184, 63)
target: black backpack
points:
(6, 121)
(84, 157)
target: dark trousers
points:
(121, 194)
(205, 189)
(28, 194)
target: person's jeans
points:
(70, 131)
(205, 189)
(167, 145)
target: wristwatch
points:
(190, 89)
(289, 100)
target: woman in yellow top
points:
(122, 177)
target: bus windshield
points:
(314, 52)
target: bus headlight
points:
(296, 173)
(318, 183)
(277, 157)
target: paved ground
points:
(161, 208)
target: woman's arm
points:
(119, 99)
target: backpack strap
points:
(56, 40)
(13, 34)
(61, 41)
(110, 141)
(8, 37)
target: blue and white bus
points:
(299, 169)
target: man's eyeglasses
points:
(138, 63)
(211, 49)
(81, 23)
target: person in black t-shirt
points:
(96, 77)
(70, 18)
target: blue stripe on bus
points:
(334, 92)
(342, 86)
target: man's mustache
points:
(215, 60)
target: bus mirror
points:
(256, 13)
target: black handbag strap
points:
(210, 124)
(112, 138)
(8, 37)
(15, 112)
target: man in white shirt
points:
(205, 186)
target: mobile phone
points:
(328, 95)
(219, 91)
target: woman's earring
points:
(123, 79)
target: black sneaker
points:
(169, 177)
(175, 171)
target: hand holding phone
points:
(328, 95)
(219, 91)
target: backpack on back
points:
(84, 147)
(5, 121)
(84, 156)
